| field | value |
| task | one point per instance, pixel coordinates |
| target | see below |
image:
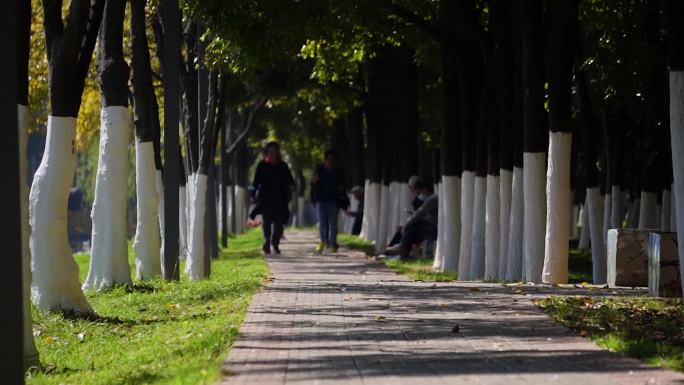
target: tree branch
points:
(248, 127)
(87, 46)
(415, 19)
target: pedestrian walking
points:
(329, 195)
(273, 186)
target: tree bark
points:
(561, 51)
(146, 245)
(534, 141)
(69, 49)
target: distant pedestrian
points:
(273, 186)
(329, 195)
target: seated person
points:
(423, 223)
(415, 205)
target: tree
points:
(109, 250)
(562, 17)
(69, 46)
(147, 234)
(534, 156)
(23, 45)
(676, 77)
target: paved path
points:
(338, 319)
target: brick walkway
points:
(338, 319)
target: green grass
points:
(650, 329)
(420, 270)
(155, 332)
(579, 266)
(417, 269)
(355, 243)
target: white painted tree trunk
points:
(477, 245)
(514, 270)
(30, 352)
(438, 262)
(557, 209)
(159, 181)
(467, 191)
(607, 207)
(534, 214)
(677, 135)
(594, 208)
(384, 219)
(648, 211)
(183, 222)
(451, 190)
(241, 207)
(109, 248)
(505, 186)
(55, 283)
(616, 207)
(195, 260)
(492, 227)
(584, 227)
(405, 198)
(366, 210)
(395, 208)
(147, 241)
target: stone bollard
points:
(628, 257)
(664, 277)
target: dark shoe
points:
(276, 249)
(266, 248)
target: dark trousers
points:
(327, 222)
(415, 233)
(272, 229)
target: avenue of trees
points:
(517, 110)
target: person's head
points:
(423, 190)
(273, 151)
(357, 192)
(412, 183)
(329, 160)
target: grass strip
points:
(155, 332)
(650, 329)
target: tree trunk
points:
(514, 270)
(593, 200)
(534, 156)
(109, 247)
(470, 83)
(69, 47)
(22, 36)
(500, 17)
(563, 21)
(676, 75)
(478, 246)
(493, 203)
(146, 245)
(17, 331)
(450, 194)
(170, 18)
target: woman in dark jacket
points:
(328, 193)
(273, 184)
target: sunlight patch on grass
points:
(650, 329)
(155, 332)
